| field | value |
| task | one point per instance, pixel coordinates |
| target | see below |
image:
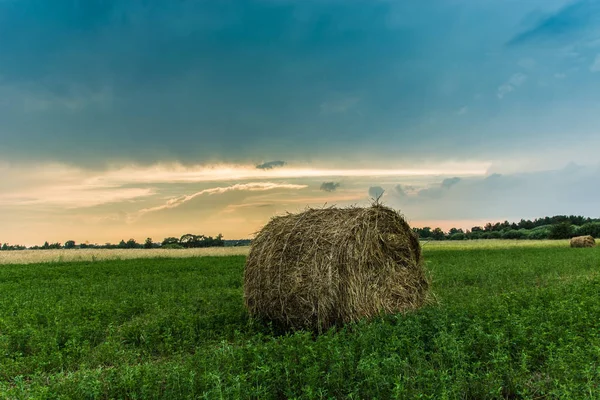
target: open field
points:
(40, 256)
(517, 321)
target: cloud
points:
(449, 182)
(560, 25)
(595, 67)
(376, 192)
(513, 82)
(177, 173)
(96, 84)
(271, 165)
(330, 186)
(439, 190)
(252, 187)
(431, 193)
(569, 190)
(72, 196)
(400, 190)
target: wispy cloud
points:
(252, 187)
(511, 85)
(176, 173)
(569, 20)
(72, 196)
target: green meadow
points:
(509, 322)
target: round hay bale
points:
(326, 267)
(583, 241)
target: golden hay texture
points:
(583, 241)
(330, 266)
(41, 256)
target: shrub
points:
(563, 230)
(591, 229)
(458, 236)
(512, 234)
(172, 246)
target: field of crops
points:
(511, 321)
(39, 256)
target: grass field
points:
(512, 321)
(39, 256)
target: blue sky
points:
(93, 89)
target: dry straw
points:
(583, 241)
(330, 266)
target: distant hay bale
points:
(326, 267)
(583, 241)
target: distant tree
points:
(494, 235)
(424, 233)
(452, 231)
(172, 246)
(513, 234)
(46, 246)
(561, 230)
(526, 224)
(590, 228)
(70, 244)
(131, 244)
(148, 243)
(438, 234)
(188, 240)
(457, 236)
(122, 244)
(170, 240)
(539, 234)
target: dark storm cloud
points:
(92, 82)
(271, 165)
(330, 186)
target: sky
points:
(131, 119)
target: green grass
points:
(511, 322)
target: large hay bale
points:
(326, 267)
(583, 241)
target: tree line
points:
(186, 241)
(556, 227)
